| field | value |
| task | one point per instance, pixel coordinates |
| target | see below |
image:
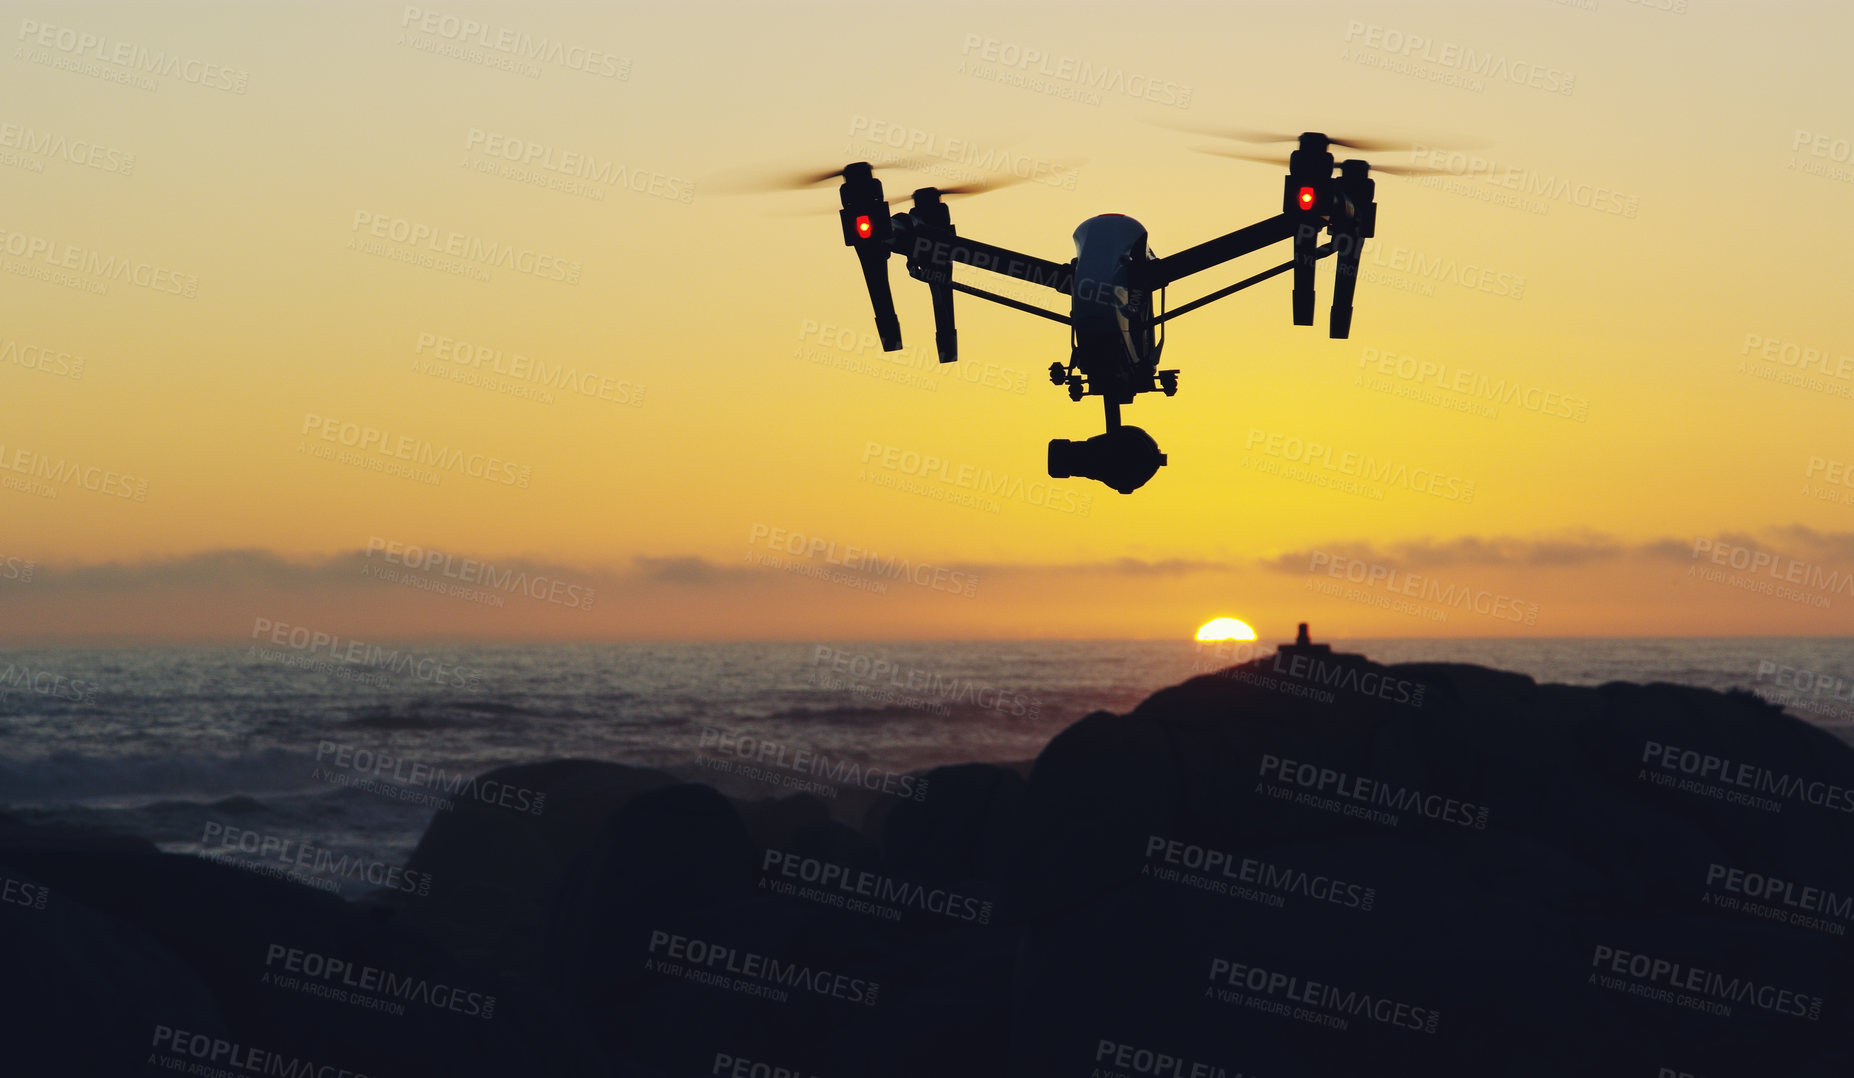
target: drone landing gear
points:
(1165, 382)
(1125, 457)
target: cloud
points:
(1822, 546)
(1585, 548)
(692, 572)
(212, 568)
(246, 569)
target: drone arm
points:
(1163, 271)
(1029, 308)
(1274, 271)
(936, 249)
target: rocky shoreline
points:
(1315, 867)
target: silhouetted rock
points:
(495, 867)
(1308, 865)
(1529, 840)
(134, 942)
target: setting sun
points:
(1225, 629)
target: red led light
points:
(1306, 198)
(863, 227)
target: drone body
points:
(1115, 286)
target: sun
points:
(1225, 629)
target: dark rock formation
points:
(1309, 865)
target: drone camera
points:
(1124, 458)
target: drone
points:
(1116, 284)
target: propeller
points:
(757, 180)
(1242, 134)
(1259, 158)
(977, 187)
(1410, 170)
(1368, 145)
(959, 190)
(1281, 160)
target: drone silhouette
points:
(1116, 284)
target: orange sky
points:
(233, 230)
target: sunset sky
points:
(1649, 231)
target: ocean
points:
(350, 751)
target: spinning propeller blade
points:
(758, 180)
(1368, 145)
